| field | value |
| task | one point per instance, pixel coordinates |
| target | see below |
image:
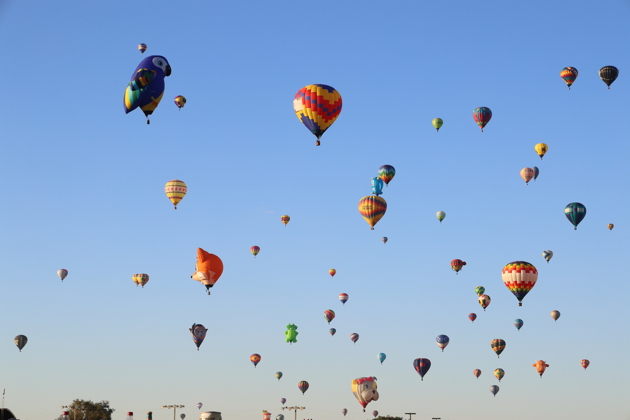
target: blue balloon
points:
(332, 331)
(442, 341)
(575, 212)
(381, 357)
(146, 87)
(377, 186)
(518, 323)
(494, 389)
(536, 172)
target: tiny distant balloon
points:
(343, 297)
(442, 341)
(555, 315)
(278, 375)
(198, 333)
(180, 101)
(608, 74)
(484, 301)
(377, 186)
(303, 386)
(498, 345)
(536, 172)
(387, 173)
(182, 416)
(199, 405)
(285, 219)
(332, 272)
(62, 273)
(422, 366)
(569, 74)
(480, 290)
(494, 389)
(541, 149)
(354, 337)
(610, 226)
(254, 250)
(381, 357)
(329, 315)
(575, 212)
(477, 373)
(440, 215)
(255, 358)
(472, 317)
(317, 107)
(482, 116)
(374, 413)
(384, 239)
(283, 400)
(540, 366)
(547, 255)
(527, 174)
(457, 265)
(344, 412)
(280, 417)
(140, 279)
(175, 191)
(437, 123)
(585, 363)
(518, 323)
(20, 341)
(332, 331)
(499, 374)
(142, 48)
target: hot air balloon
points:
(541, 149)
(365, 390)
(442, 341)
(377, 186)
(175, 191)
(569, 74)
(280, 417)
(555, 315)
(254, 250)
(527, 174)
(547, 255)
(344, 412)
(199, 405)
(354, 337)
(540, 366)
(422, 366)
(198, 333)
(608, 74)
(343, 297)
(482, 116)
(437, 123)
(182, 416)
(585, 363)
(329, 315)
(457, 265)
(303, 386)
(498, 346)
(575, 212)
(518, 323)
(146, 86)
(484, 301)
(180, 101)
(20, 341)
(332, 272)
(610, 227)
(381, 357)
(141, 279)
(387, 173)
(285, 219)
(278, 375)
(291, 334)
(384, 239)
(477, 373)
(317, 106)
(374, 413)
(266, 415)
(372, 208)
(519, 277)
(255, 358)
(332, 331)
(472, 317)
(499, 373)
(209, 268)
(536, 172)
(142, 48)
(283, 400)
(440, 215)
(62, 273)
(480, 290)
(494, 389)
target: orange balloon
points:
(332, 272)
(209, 268)
(540, 367)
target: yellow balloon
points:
(175, 190)
(541, 149)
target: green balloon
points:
(291, 334)
(480, 290)
(437, 123)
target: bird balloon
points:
(146, 87)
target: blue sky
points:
(84, 191)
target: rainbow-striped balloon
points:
(329, 315)
(519, 277)
(569, 74)
(140, 279)
(317, 106)
(372, 208)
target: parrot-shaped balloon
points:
(146, 87)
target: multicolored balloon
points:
(332, 331)
(536, 172)
(365, 390)
(477, 373)
(610, 226)
(440, 215)
(387, 173)
(547, 255)
(541, 149)
(519, 277)
(498, 345)
(482, 116)
(142, 48)
(329, 315)
(374, 413)
(209, 269)
(343, 297)
(422, 366)
(585, 363)
(540, 366)
(457, 265)
(518, 323)
(175, 191)
(140, 279)
(303, 386)
(285, 219)
(344, 412)
(317, 106)
(381, 357)
(332, 272)
(377, 186)
(608, 74)
(472, 316)
(480, 290)
(437, 123)
(384, 239)
(180, 101)
(254, 250)
(255, 358)
(484, 301)
(442, 341)
(494, 389)
(555, 315)
(575, 212)
(62, 273)
(20, 341)
(146, 87)
(278, 375)
(569, 74)
(499, 374)
(283, 400)
(527, 174)
(372, 208)
(266, 415)
(354, 337)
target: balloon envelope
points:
(498, 345)
(372, 208)
(332, 272)
(518, 323)
(555, 315)
(278, 375)
(365, 390)
(472, 316)
(255, 358)
(354, 337)
(285, 219)
(329, 315)
(384, 239)
(484, 301)
(457, 265)
(20, 341)
(480, 290)
(343, 297)
(608, 74)
(283, 400)
(254, 250)
(575, 212)
(332, 331)
(477, 373)
(209, 268)
(374, 413)
(180, 101)
(569, 74)
(547, 255)
(440, 215)
(387, 173)
(541, 149)
(442, 341)
(536, 172)
(540, 366)
(437, 123)
(317, 107)
(199, 405)
(142, 48)
(303, 386)
(198, 333)
(422, 366)
(494, 389)
(482, 116)
(140, 279)
(344, 411)
(610, 226)
(585, 363)
(519, 277)
(377, 186)
(527, 174)
(175, 190)
(381, 357)
(499, 374)
(62, 273)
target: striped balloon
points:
(372, 208)
(387, 173)
(343, 297)
(140, 279)
(569, 74)
(285, 219)
(575, 212)
(527, 174)
(254, 250)
(498, 346)
(175, 190)
(608, 74)
(585, 363)
(422, 366)
(519, 277)
(329, 315)
(332, 272)
(472, 316)
(142, 48)
(303, 386)
(484, 301)
(354, 337)
(317, 106)
(482, 116)
(477, 373)
(499, 374)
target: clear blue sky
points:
(83, 188)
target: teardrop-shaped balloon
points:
(484, 301)
(62, 273)
(332, 331)
(332, 272)
(527, 174)
(283, 400)
(175, 191)
(354, 337)
(547, 255)
(541, 149)
(555, 315)
(575, 212)
(610, 226)
(442, 341)
(329, 315)
(285, 219)
(180, 101)
(440, 215)
(536, 172)
(374, 413)
(278, 375)
(457, 265)
(477, 373)
(498, 345)
(608, 74)
(344, 412)
(254, 250)
(317, 107)
(518, 323)
(472, 316)
(437, 123)
(142, 48)
(303, 386)
(20, 341)
(387, 173)
(482, 116)
(384, 239)
(494, 389)
(372, 208)
(569, 74)
(519, 277)
(255, 358)
(140, 279)
(422, 366)
(343, 297)
(480, 290)
(585, 363)
(381, 357)
(499, 374)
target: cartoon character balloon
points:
(499, 374)
(175, 191)
(422, 366)
(365, 390)
(140, 279)
(146, 87)
(484, 301)
(209, 268)
(254, 250)
(278, 375)
(498, 345)
(198, 333)
(303, 386)
(354, 337)
(343, 297)
(540, 366)
(377, 186)
(472, 317)
(519, 277)
(317, 106)
(372, 208)
(585, 363)
(518, 323)
(494, 389)
(285, 219)
(332, 331)
(180, 101)
(440, 215)
(20, 341)
(457, 265)
(555, 315)
(255, 359)
(387, 173)
(142, 48)
(541, 149)
(381, 357)
(437, 123)
(608, 74)
(575, 212)
(291, 334)
(62, 273)
(547, 255)
(527, 174)
(482, 116)
(477, 373)
(266, 415)
(442, 341)
(329, 315)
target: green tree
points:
(88, 410)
